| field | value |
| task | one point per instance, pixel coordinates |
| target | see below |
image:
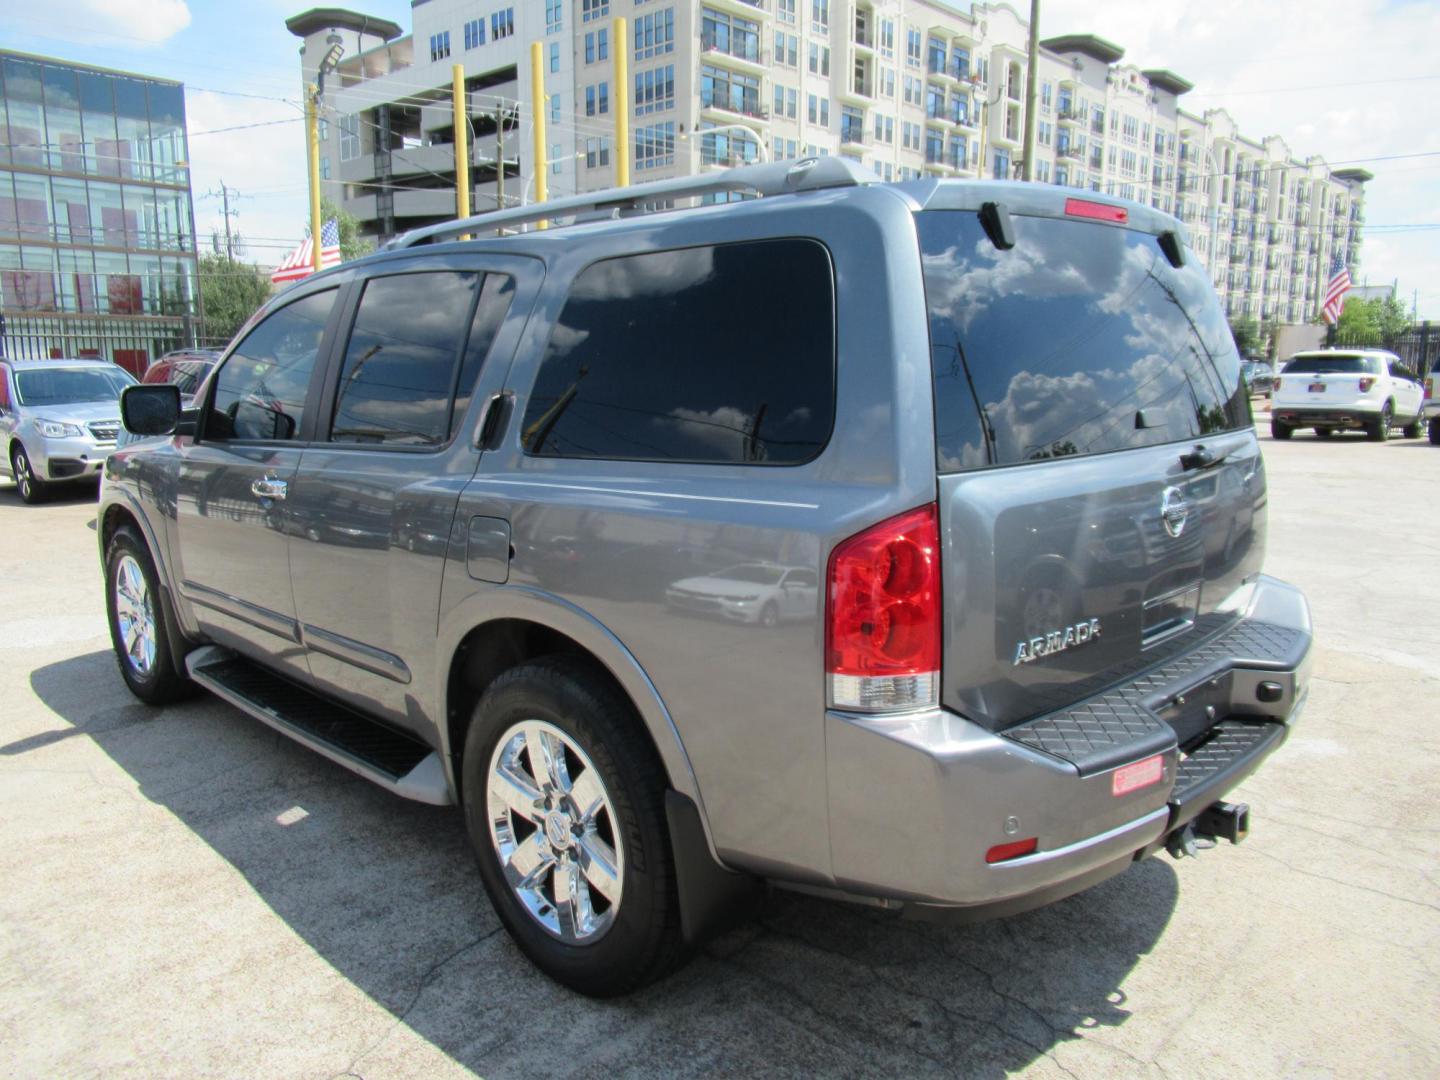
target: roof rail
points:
(771, 178)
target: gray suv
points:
(481, 518)
(58, 421)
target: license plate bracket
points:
(1317, 388)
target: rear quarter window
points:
(1081, 339)
(715, 355)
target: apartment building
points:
(911, 88)
(97, 235)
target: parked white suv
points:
(1345, 389)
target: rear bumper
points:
(916, 802)
(1357, 414)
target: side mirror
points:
(150, 409)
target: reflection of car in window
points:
(942, 487)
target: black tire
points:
(1435, 432)
(770, 615)
(32, 489)
(161, 682)
(1324, 432)
(1378, 430)
(1280, 431)
(1415, 429)
(642, 942)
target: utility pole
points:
(1032, 77)
(224, 196)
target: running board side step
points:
(380, 754)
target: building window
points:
(589, 48)
(1002, 165)
(655, 145)
(604, 96)
(785, 11)
(1047, 91)
(655, 34)
(1045, 132)
(593, 9)
(852, 125)
(934, 147)
(820, 15)
(887, 38)
(349, 137)
(554, 108)
(324, 126)
(728, 147)
(502, 24)
(554, 56)
(554, 16)
(912, 47)
(729, 34)
(590, 101)
(818, 111)
(819, 59)
(556, 162)
(597, 152)
(787, 49)
(439, 45)
(602, 44)
(474, 33)
(914, 88)
(325, 167)
(724, 89)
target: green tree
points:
(1392, 319)
(231, 293)
(1359, 323)
(352, 244)
(1246, 332)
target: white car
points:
(756, 593)
(1334, 390)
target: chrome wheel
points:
(24, 478)
(554, 831)
(135, 616)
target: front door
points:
(373, 503)
(232, 514)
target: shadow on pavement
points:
(385, 891)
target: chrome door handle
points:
(268, 488)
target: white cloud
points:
(152, 22)
(1314, 74)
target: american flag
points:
(301, 262)
(1335, 291)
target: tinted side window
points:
(711, 354)
(1082, 339)
(399, 371)
(490, 311)
(260, 391)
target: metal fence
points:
(1419, 347)
(134, 342)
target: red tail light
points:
(882, 633)
(1012, 850)
(1366, 383)
(1276, 385)
(1429, 388)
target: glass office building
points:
(97, 232)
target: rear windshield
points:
(1082, 339)
(1333, 365)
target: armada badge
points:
(1055, 641)
(1173, 510)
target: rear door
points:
(1100, 484)
(1405, 385)
(374, 498)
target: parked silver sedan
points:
(58, 421)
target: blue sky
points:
(1349, 80)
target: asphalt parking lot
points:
(186, 893)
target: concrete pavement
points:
(185, 892)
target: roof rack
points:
(771, 178)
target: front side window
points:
(260, 390)
(720, 355)
(1082, 339)
(407, 357)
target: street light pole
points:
(1031, 92)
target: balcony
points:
(1069, 116)
(853, 136)
(862, 90)
(753, 60)
(1075, 152)
(864, 36)
(751, 9)
(721, 111)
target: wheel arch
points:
(115, 515)
(519, 624)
